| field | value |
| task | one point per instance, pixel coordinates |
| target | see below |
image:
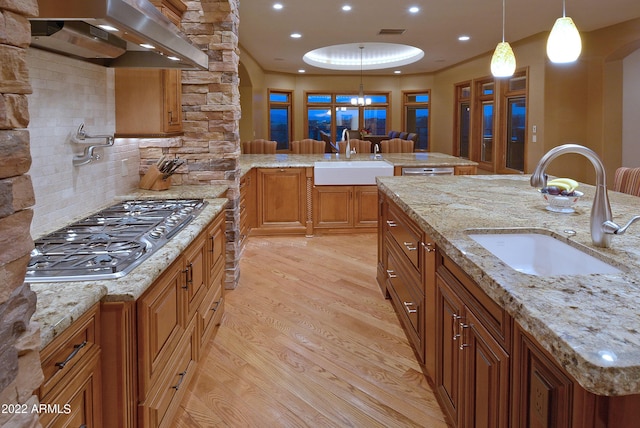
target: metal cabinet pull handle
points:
(391, 274)
(213, 243)
(411, 311)
(215, 307)
(391, 223)
(455, 319)
(182, 375)
(410, 246)
(189, 276)
(428, 247)
(463, 345)
(76, 349)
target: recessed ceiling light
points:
(414, 9)
(296, 35)
(302, 70)
(277, 6)
(464, 38)
(346, 8)
(108, 27)
(397, 72)
(147, 45)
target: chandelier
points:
(361, 100)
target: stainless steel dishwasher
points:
(428, 171)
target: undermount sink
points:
(350, 172)
(540, 254)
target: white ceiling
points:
(265, 32)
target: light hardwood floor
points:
(308, 340)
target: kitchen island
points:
(586, 324)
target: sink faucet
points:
(602, 226)
(376, 154)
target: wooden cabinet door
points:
(172, 88)
(333, 206)
(216, 249)
(485, 377)
(449, 313)
(465, 170)
(195, 274)
(281, 196)
(161, 324)
(365, 213)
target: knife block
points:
(153, 180)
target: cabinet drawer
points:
(160, 407)
(405, 235)
(495, 319)
(408, 300)
(65, 351)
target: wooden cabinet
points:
(172, 9)
(247, 204)
(472, 351)
(148, 102)
(345, 207)
(72, 375)
(281, 200)
(465, 170)
(406, 253)
(154, 343)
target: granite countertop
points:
(61, 303)
(590, 323)
(425, 159)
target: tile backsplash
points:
(66, 93)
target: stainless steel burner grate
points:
(110, 243)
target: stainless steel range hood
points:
(81, 29)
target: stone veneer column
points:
(211, 111)
(20, 370)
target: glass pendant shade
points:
(503, 61)
(564, 43)
(361, 100)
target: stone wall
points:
(211, 114)
(20, 371)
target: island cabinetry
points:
(281, 200)
(345, 207)
(247, 204)
(71, 365)
(400, 272)
(472, 351)
(545, 395)
(154, 342)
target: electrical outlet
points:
(124, 171)
(534, 129)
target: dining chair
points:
(627, 180)
(361, 146)
(396, 145)
(259, 146)
(307, 146)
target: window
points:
(280, 118)
(416, 116)
(463, 120)
(491, 122)
(332, 113)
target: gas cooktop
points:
(110, 243)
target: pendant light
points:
(564, 44)
(503, 61)
(361, 100)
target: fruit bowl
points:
(561, 203)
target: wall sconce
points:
(503, 61)
(564, 44)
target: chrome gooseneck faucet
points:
(602, 226)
